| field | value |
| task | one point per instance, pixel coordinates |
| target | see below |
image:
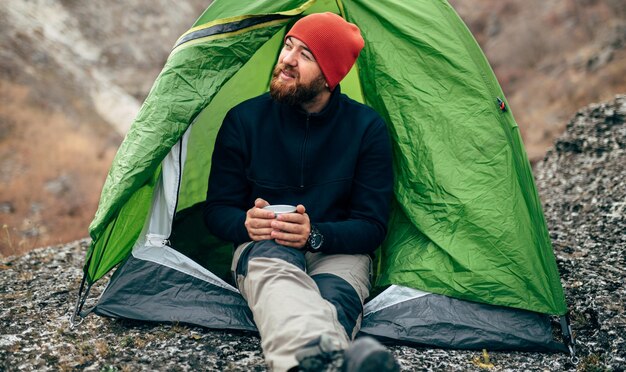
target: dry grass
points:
(51, 169)
(102, 349)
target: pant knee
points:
(269, 249)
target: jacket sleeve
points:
(370, 200)
(225, 209)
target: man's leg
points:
(344, 281)
(286, 303)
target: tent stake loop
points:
(80, 301)
(568, 337)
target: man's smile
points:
(288, 74)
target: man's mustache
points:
(283, 67)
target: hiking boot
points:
(368, 355)
(322, 355)
(364, 355)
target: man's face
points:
(297, 78)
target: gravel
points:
(582, 185)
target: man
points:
(306, 274)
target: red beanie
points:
(334, 42)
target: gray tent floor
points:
(144, 290)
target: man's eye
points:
(307, 56)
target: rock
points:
(7, 207)
(60, 185)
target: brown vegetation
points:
(71, 74)
(51, 168)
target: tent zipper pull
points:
(156, 240)
(501, 104)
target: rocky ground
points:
(583, 186)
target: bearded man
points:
(306, 274)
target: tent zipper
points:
(180, 179)
(227, 27)
(306, 136)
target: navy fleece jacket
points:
(337, 163)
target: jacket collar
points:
(330, 109)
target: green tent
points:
(467, 237)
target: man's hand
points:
(259, 221)
(291, 229)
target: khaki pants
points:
(296, 296)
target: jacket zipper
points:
(306, 136)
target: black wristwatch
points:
(315, 240)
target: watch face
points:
(315, 239)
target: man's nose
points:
(290, 58)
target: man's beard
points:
(297, 93)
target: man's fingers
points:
(288, 227)
(260, 213)
(261, 231)
(260, 203)
(296, 218)
(259, 223)
(289, 240)
(259, 237)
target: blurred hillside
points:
(73, 75)
(551, 58)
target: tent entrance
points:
(189, 235)
(250, 81)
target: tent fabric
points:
(468, 210)
(467, 222)
(144, 290)
(418, 317)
